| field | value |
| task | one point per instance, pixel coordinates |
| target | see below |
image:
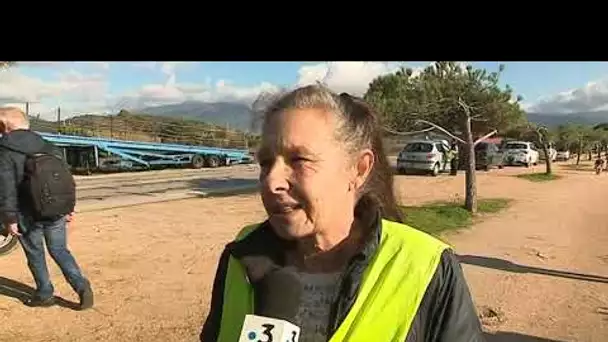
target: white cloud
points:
(172, 91)
(590, 97)
(84, 87)
(351, 77)
(74, 90)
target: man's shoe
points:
(36, 301)
(86, 298)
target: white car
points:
(423, 156)
(563, 155)
(520, 153)
(552, 153)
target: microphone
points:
(274, 314)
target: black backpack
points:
(48, 189)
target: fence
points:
(148, 129)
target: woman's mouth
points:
(282, 209)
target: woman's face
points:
(305, 174)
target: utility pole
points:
(58, 120)
(27, 106)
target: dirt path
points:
(152, 266)
(562, 232)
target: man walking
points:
(454, 153)
(37, 196)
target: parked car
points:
(552, 153)
(562, 156)
(423, 156)
(487, 156)
(520, 153)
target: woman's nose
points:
(276, 178)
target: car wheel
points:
(435, 171)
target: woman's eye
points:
(298, 159)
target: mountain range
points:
(554, 119)
(238, 116)
(233, 115)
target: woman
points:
(334, 224)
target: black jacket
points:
(446, 314)
(11, 169)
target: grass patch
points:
(580, 167)
(437, 217)
(539, 177)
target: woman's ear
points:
(363, 167)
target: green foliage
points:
(434, 94)
(574, 137)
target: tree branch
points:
(407, 133)
(484, 137)
(465, 107)
(441, 129)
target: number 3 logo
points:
(268, 332)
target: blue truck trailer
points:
(95, 153)
(101, 154)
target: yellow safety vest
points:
(391, 290)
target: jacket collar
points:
(263, 250)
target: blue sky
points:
(103, 87)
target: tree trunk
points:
(599, 151)
(578, 154)
(548, 162)
(470, 201)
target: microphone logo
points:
(266, 329)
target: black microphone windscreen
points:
(278, 294)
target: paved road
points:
(100, 192)
(115, 190)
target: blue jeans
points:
(34, 234)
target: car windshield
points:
(516, 146)
(418, 147)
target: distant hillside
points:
(235, 115)
(238, 116)
(553, 120)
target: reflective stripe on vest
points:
(391, 290)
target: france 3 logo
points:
(266, 329)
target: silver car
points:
(426, 156)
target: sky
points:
(107, 87)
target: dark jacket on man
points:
(12, 166)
